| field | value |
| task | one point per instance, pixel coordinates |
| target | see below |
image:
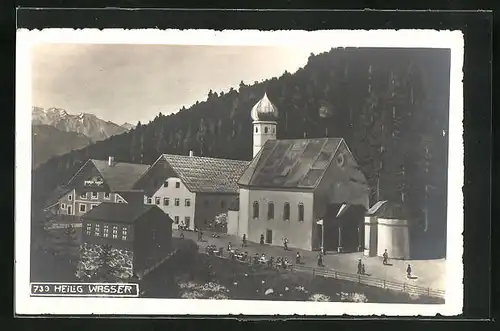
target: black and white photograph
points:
(248, 172)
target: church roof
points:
(264, 110)
(206, 174)
(293, 163)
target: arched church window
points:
(274, 130)
(301, 212)
(286, 212)
(256, 130)
(270, 211)
(265, 129)
(255, 209)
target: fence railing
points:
(331, 273)
(372, 281)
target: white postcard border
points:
(26, 305)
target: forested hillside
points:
(390, 105)
(48, 141)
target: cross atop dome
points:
(264, 110)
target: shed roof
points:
(292, 163)
(388, 209)
(120, 212)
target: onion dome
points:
(264, 110)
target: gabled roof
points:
(121, 176)
(132, 196)
(206, 174)
(292, 163)
(54, 197)
(120, 212)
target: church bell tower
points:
(264, 115)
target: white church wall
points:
(244, 212)
(298, 233)
(232, 222)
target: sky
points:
(129, 83)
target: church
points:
(309, 191)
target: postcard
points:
(198, 172)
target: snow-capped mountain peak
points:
(84, 123)
(128, 126)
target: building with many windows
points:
(97, 181)
(191, 189)
(141, 233)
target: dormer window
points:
(83, 195)
(177, 184)
(165, 184)
(94, 195)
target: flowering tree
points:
(221, 219)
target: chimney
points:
(191, 153)
(111, 161)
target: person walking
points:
(244, 241)
(297, 258)
(285, 244)
(262, 239)
(363, 270)
(385, 257)
(320, 260)
(360, 266)
(408, 271)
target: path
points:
(428, 273)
